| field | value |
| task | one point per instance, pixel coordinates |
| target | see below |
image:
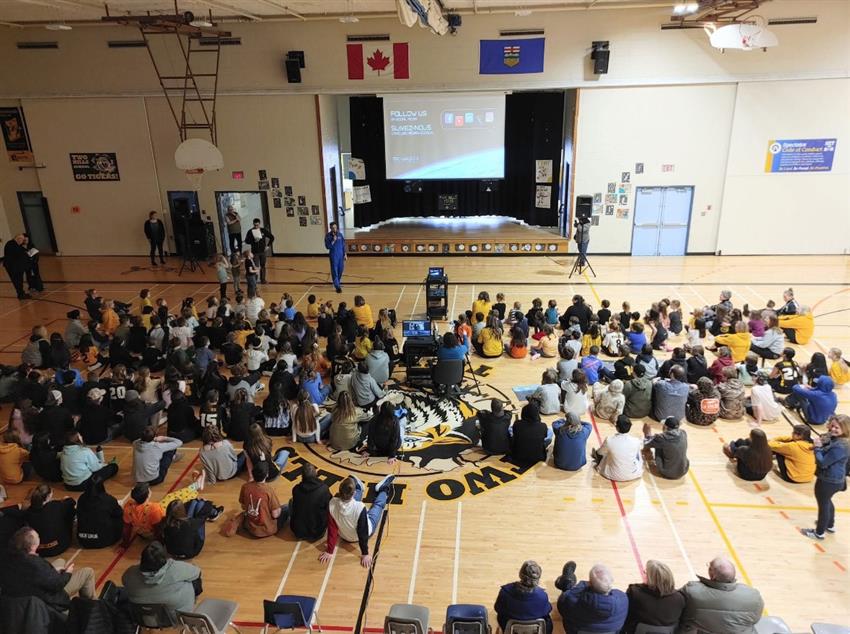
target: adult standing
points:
(335, 244)
(155, 233)
(260, 239)
(34, 282)
(234, 229)
(831, 454)
(17, 262)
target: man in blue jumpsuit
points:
(335, 244)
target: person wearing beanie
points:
(608, 401)
(671, 449)
(524, 600)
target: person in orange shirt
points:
(737, 342)
(463, 329)
(362, 312)
(109, 318)
(14, 459)
(144, 517)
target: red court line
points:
(330, 628)
(122, 551)
(819, 547)
(840, 567)
(623, 515)
(783, 514)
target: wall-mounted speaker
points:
(294, 63)
(600, 54)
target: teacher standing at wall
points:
(155, 233)
(16, 261)
(335, 244)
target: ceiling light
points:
(201, 23)
(349, 19)
(522, 12)
(685, 8)
(58, 26)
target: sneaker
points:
(177, 457)
(339, 290)
(568, 577)
(215, 513)
(811, 534)
(260, 388)
(385, 484)
(3, 495)
(831, 529)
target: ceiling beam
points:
(280, 5)
(226, 7)
(63, 4)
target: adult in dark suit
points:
(155, 233)
(17, 262)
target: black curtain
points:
(533, 130)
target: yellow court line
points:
(592, 288)
(720, 529)
(769, 507)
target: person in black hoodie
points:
(678, 358)
(214, 381)
(243, 413)
(99, 517)
(182, 422)
(98, 424)
(578, 309)
(138, 414)
(55, 419)
(60, 356)
(232, 351)
(697, 366)
(33, 389)
(384, 434)
(184, 532)
(309, 506)
(530, 437)
(44, 457)
(494, 427)
(53, 520)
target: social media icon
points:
(459, 121)
(448, 118)
(489, 116)
(470, 118)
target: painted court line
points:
(672, 525)
(770, 507)
(413, 310)
(456, 568)
(415, 567)
(400, 295)
(288, 569)
(325, 580)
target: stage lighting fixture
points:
(685, 8)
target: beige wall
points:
(686, 126)
(787, 213)
(640, 54)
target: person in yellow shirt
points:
(109, 319)
(481, 305)
(489, 343)
(839, 369)
(795, 455)
(798, 328)
(14, 459)
(362, 344)
(144, 300)
(362, 312)
(591, 338)
(312, 307)
(738, 342)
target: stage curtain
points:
(533, 130)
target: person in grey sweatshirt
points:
(363, 388)
(158, 579)
(153, 455)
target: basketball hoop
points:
(196, 157)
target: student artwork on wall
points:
(290, 212)
(287, 190)
(303, 211)
(289, 201)
(262, 175)
(314, 211)
(609, 210)
(638, 168)
(275, 183)
(362, 195)
(597, 209)
(543, 197)
(356, 169)
(627, 177)
(302, 200)
(543, 171)
(276, 193)
(622, 212)
(597, 198)
(624, 200)
(277, 203)
(594, 221)
(626, 188)
(263, 184)
(612, 188)
(611, 199)
(315, 220)
(302, 221)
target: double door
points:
(661, 220)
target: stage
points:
(482, 235)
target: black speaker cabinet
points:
(584, 206)
(600, 54)
(293, 71)
(202, 240)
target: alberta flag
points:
(499, 57)
(378, 59)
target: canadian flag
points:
(380, 60)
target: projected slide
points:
(444, 136)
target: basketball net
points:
(195, 177)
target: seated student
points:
(550, 315)
(814, 404)
(79, 464)
(54, 418)
(363, 388)
(143, 517)
(53, 520)
(839, 369)
(785, 373)
(524, 600)
(771, 343)
(568, 362)
(703, 404)
(591, 338)
(362, 312)
(15, 466)
(731, 395)
(347, 429)
(594, 605)
(619, 456)
(636, 337)
(815, 368)
(547, 346)
(138, 415)
(591, 365)
(608, 401)
(678, 358)
(25, 573)
(308, 510)
(570, 452)
(752, 456)
(311, 381)
(517, 348)
(670, 395)
(153, 456)
(723, 361)
(184, 529)
(277, 412)
(44, 457)
(529, 437)
(158, 579)
(638, 394)
(604, 313)
(308, 425)
(671, 449)
(647, 359)
(574, 393)
(548, 395)
(99, 517)
(378, 362)
(655, 602)
(795, 455)
(218, 456)
(613, 339)
(477, 324)
(488, 343)
(494, 426)
(182, 422)
(798, 328)
(624, 367)
(738, 342)
(762, 405)
(258, 448)
(98, 423)
(385, 434)
(452, 347)
(748, 369)
(481, 305)
(362, 344)
(349, 519)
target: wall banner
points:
(799, 155)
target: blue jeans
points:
(377, 508)
(192, 508)
(281, 457)
(337, 265)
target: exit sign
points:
(237, 176)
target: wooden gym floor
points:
(437, 551)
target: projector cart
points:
(437, 297)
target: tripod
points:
(472, 372)
(188, 253)
(580, 265)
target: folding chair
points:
(151, 616)
(212, 616)
(533, 626)
(406, 618)
(772, 625)
(290, 611)
(464, 618)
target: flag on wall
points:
(379, 59)
(499, 57)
